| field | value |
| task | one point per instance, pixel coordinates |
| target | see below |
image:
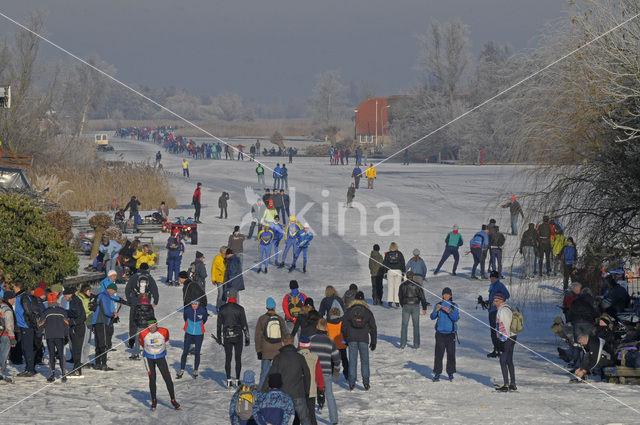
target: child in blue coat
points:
(195, 316)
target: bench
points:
(622, 375)
(76, 281)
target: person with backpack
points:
(198, 271)
(331, 299)
(232, 324)
(453, 242)
(478, 245)
(244, 401)
(104, 315)
(350, 295)
(496, 287)
(77, 317)
(307, 319)
(139, 283)
(260, 174)
(292, 304)
(268, 337)
(545, 235)
(55, 323)
(154, 340)
(528, 248)
(316, 383)
(411, 296)
(375, 265)
(394, 267)
(446, 314)
(195, 316)
(175, 248)
(515, 209)
(143, 312)
(507, 341)
(191, 291)
(496, 242)
(218, 268)
(569, 258)
(291, 238)
(360, 333)
(334, 331)
(236, 242)
(26, 311)
(273, 406)
(304, 239)
(325, 349)
(222, 204)
(7, 332)
(296, 376)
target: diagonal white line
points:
(626, 21)
(125, 85)
(25, 398)
(514, 340)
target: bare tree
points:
(328, 100)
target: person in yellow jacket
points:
(185, 168)
(218, 268)
(559, 242)
(370, 174)
(145, 256)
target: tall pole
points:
(376, 144)
(355, 124)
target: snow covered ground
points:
(430, 199)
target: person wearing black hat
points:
(140, 283)
(191, 290)
(77, 328)
(292, 304)
(196, 201)
(236, 242)
(198, 271)
(7, 335)
(233, 275)
(232, 324)
(507, 340)
(446, 315)
(496, 287)
(360, 333)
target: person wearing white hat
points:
(304, 239)
(417, 266)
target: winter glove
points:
(14, 342)
(259, 356)
(321, 399)
(372, 347)
(246, 342)
(520, 250)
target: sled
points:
(621, 375)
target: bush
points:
(33, 250)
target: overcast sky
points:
(263, 49)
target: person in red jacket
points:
(292, 304)
(196, 203)
(154, 341)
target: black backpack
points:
(499, 240)
(142, 284)
(358, 317)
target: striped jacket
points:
(328, 355)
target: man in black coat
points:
(411, 297)
(296, 378)
(139, 283)
(191, 291)
(233, 274)
(360, 333)
(582, 315)
(592, 348)
(77, 328)
(232, 324)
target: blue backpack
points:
(477, 241)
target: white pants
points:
(394, 279)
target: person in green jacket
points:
(452, 242)
(375, 262)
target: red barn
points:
(372, 118)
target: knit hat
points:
(228, 251)
(39, 292)
(151, 321)
(232, 293)
(304, 342)
(275, 380)
(183, 274)
(199, 254)
(513, 197)
(52, 298)
(144, 266)
(493, 220)
(293, 284)
(271, 303)
(42, 284)
(68, 291)
(292, 218)
(416, 251)
(112, 272)
(499, 296)
(306, 226)
(9, 294)
(309, 301)
(236, 228)
(360, 295)
(112, 286)
(270, 206)
(195, 301)
(447, 290)
(199, 184)
(455, 227)
(248, 378)
(495, 274)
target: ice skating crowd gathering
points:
(305, 345)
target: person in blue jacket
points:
(112, 275)
(494, 288)
(291, 239)
(277, 173)
(275, 406)
(453, 242)
(446, 315)
(175, 248)
(569, 257)
(195, 316)
(478, 246)
(304, 239)
(265, 239)
(103, 325)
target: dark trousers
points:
(76, 335)
(478, 258)
(103, 333)
(311, 407)
(27, 338)
(445, 342)
(196, 215)
(229, 346)
(450, 250)
(506, 361)
(188, 341)
(496, 256)
(252, 227)
(56, 347)
(345, 363)
(223, 211)
(356, 180)
(161, 363)
(567, 269)
(133, 328)
(376, 288)
(544, 252)
(494, 337)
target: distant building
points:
(372, 118)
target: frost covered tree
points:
(328, 101)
